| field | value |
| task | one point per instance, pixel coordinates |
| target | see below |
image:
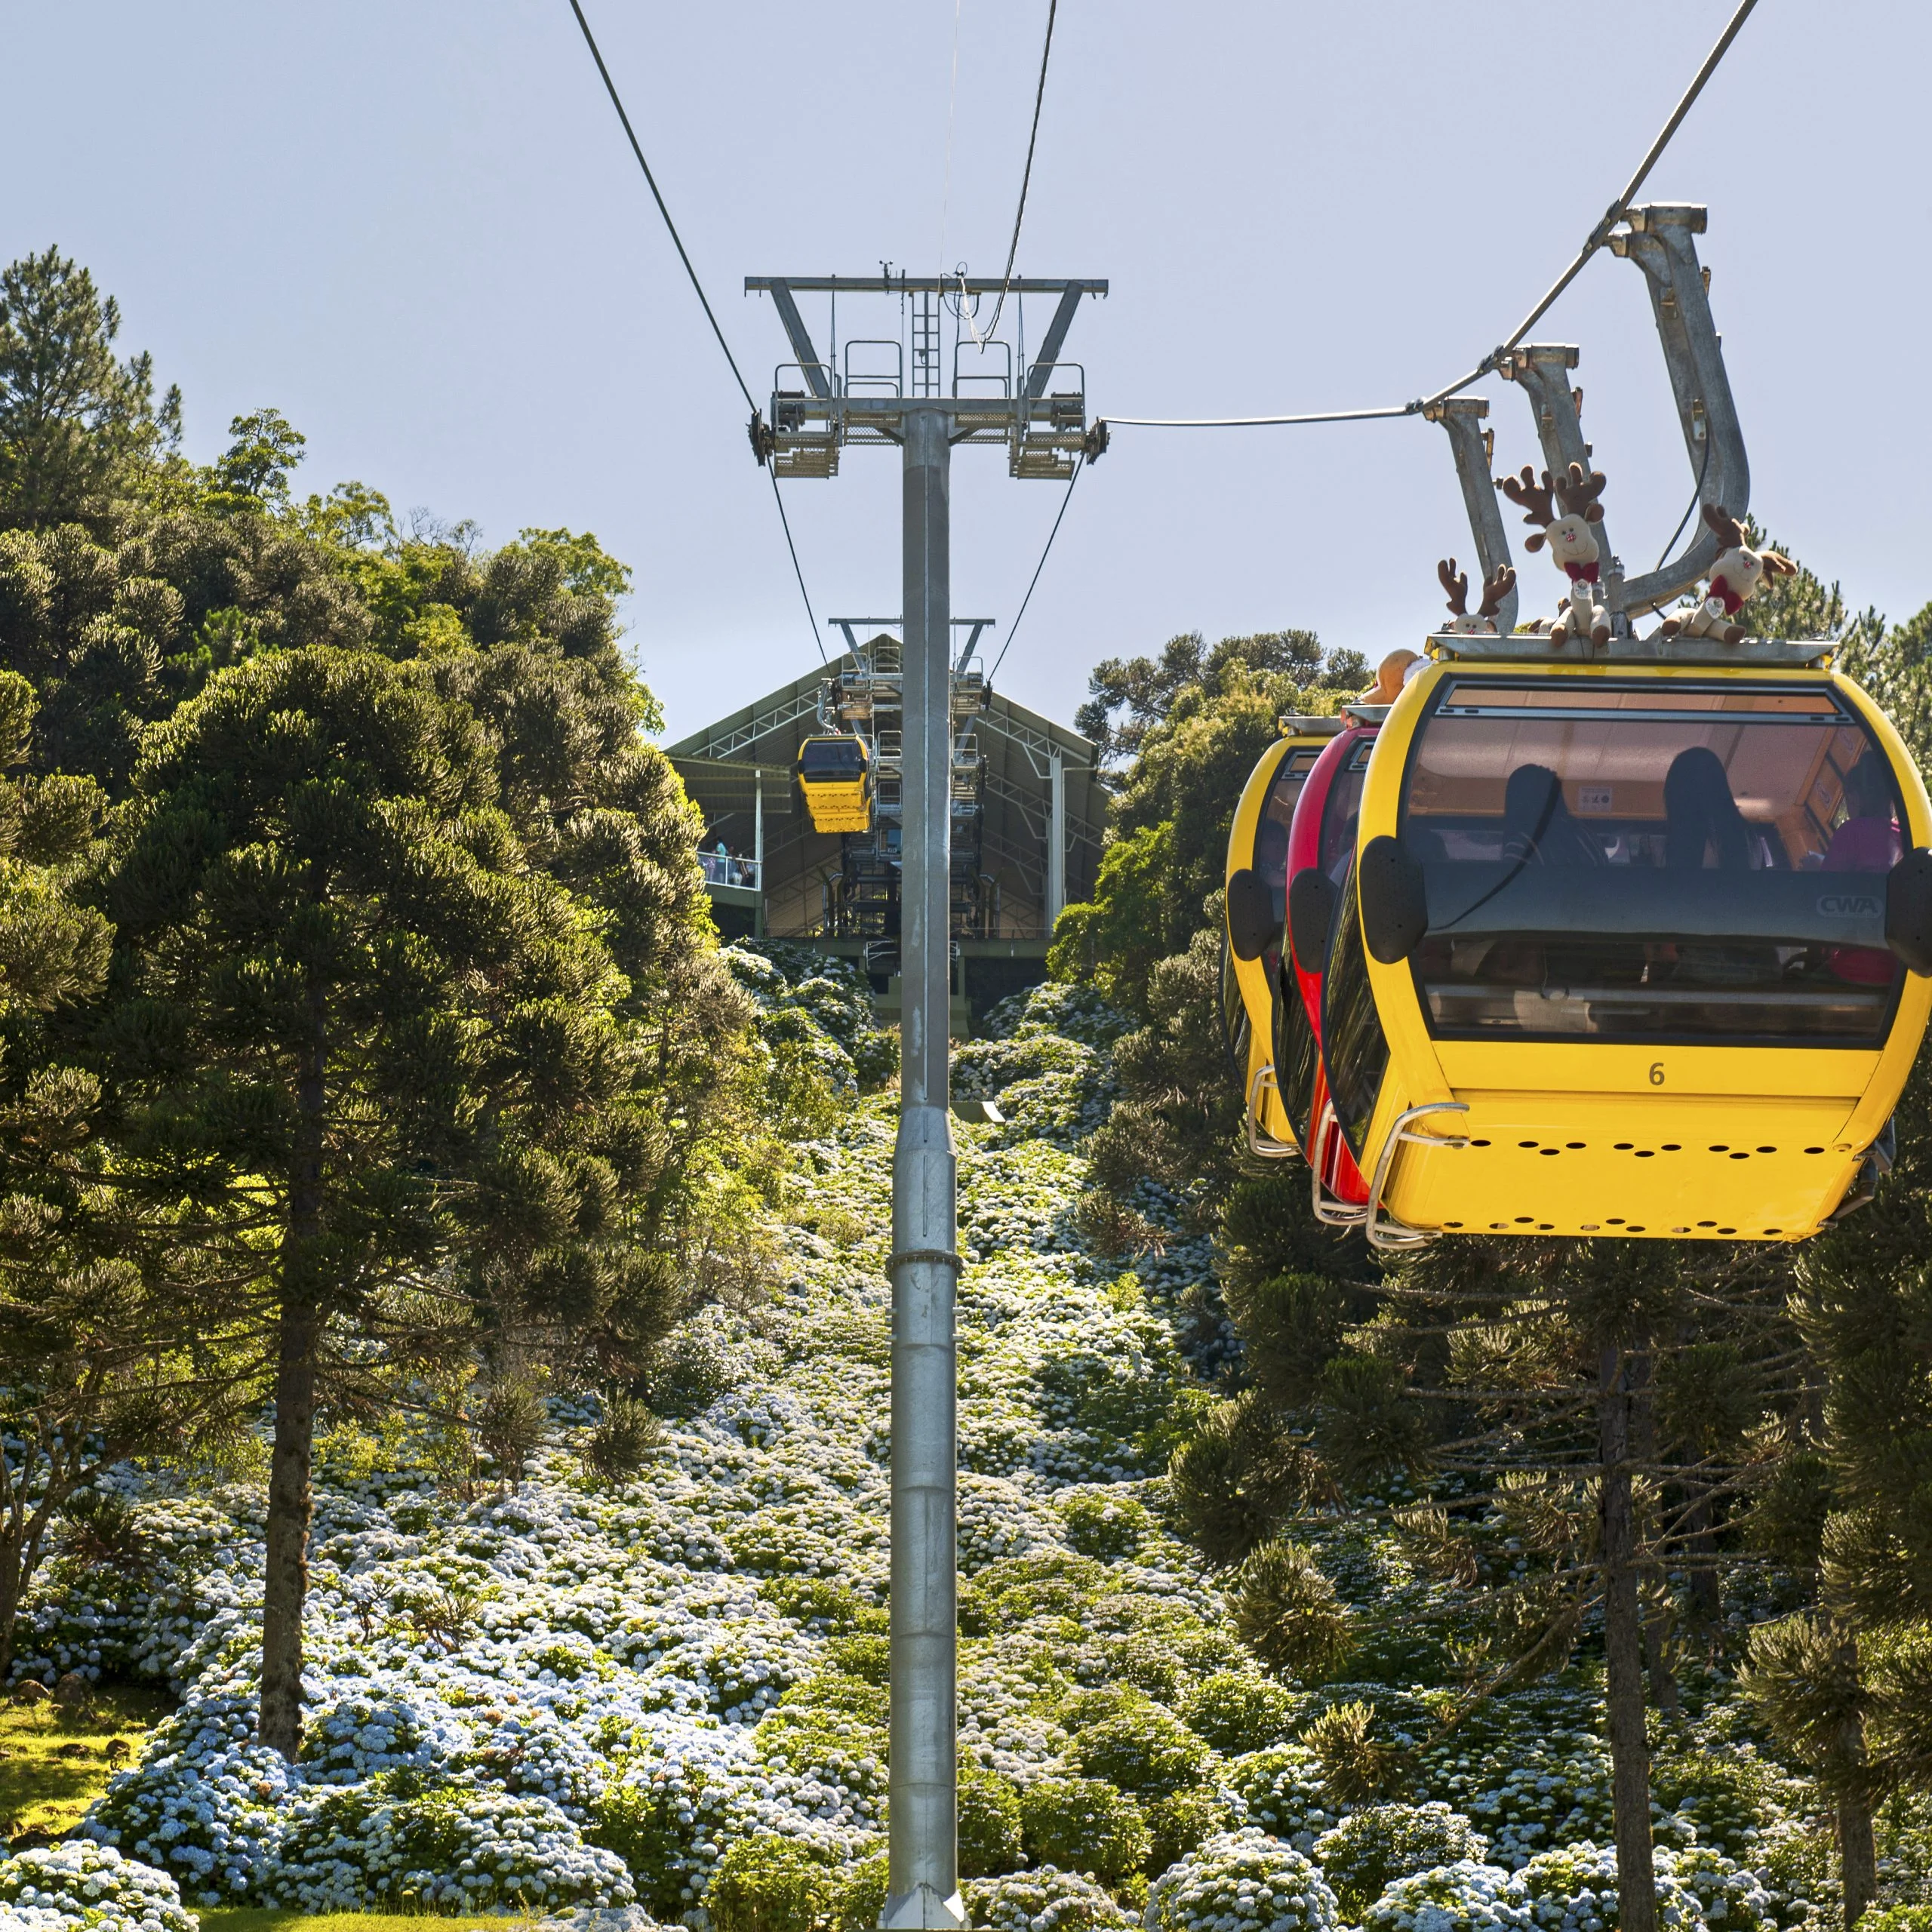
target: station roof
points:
(748, 755)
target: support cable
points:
(1014, 631)
(811, 615)
(1026, 178)
(651, 181)
(1597, 237)
(704, 301)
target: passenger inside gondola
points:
(1702, 827)
(1539, 827)
(1867, 840)
(1643, 862)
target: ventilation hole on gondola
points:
(1742, 1155)
(1525, 1143)
(1590, 1227)
(1635, 1227)
(1547, 1152)
(1680, 1230)
(1727, 1231)
(1767, 1150)
(1774, 1231)
(1498, 1226)
(1707, 1224)
(1814, 1150)
(1673, 1147)
(1615, 1221)
(1646, 1153)
(1524, 1220)
(1624, 1146)
(1478, 1143)
(1452, 1224)
(1573, 1143)
(1545, 1227)
(1720, 1149)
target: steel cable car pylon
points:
(1040, 419)
(1636, 935)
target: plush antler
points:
(1730, 532)
(1495, 589)
(1578, 494)
(1535, 500)
(1776, 563)
(1457, 586)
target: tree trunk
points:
(1858, 1858)
(12, 1581)
(1643, 1449)
(298, 1336)
(1623, 1650)
(1858, 1850)
(1707, 1597)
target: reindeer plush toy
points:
(1572, 546)
(1736, 574)
(1494, 589)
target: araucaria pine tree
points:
(385, 1053)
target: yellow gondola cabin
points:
(1629, 948)
(1256, 901)
(836, 774)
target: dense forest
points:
(443, 1324)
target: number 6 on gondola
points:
(1560, 867)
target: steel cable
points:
(1026, 178)
(1014, 631)
(704, 301)
(1597, 236)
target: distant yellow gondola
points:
(836, 774)
(1252, 940)
(1630, 948)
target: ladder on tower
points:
(925, 342)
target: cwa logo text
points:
(1848, 906)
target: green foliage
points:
(989, 1815)
(1180, 1823)
(769, 1883)
(1288, 1613)
(1380, 1843)
(255, 467)
(626, 1434)
(862, 1894)
(1085, 1824)
(1356, 1764)
(1239, 1711)
(1898, 1918)
(75, 423)
(1237, 1475)
(1143, 1748)
(640, 1825)
(1106, 1526)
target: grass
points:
(271, 1918)
(54, 1763)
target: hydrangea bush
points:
(572, 1695)
(1242, 1881)
(80, 1884)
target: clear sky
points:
(412, 225)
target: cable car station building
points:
(1028, 810)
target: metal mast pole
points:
(1041, 424)
(923, 1885)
